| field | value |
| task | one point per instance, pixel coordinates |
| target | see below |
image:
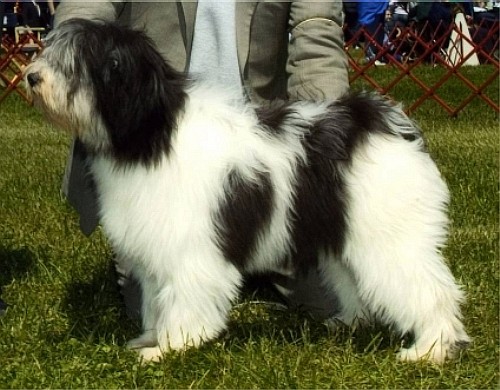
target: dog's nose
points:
(33, 79)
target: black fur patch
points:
(320, 198)
(139, 96)
(319, 207)
(245, 212)
(320, 204)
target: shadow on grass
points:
(14, 263)
(294, 328)
(259, 318)
(97, 314)
(96, 311)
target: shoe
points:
(380, 63)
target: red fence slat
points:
(406, 48)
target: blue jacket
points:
(369, 9)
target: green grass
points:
(66, 327)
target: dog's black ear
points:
(139, 97)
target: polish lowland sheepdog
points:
(197, 189)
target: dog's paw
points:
(151, 354)
(147, 339)
(436, 353)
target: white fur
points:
(397, 223)
(159, 215)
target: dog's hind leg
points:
(339, 278)
(397, 225)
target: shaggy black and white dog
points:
(198, 189)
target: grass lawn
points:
(66, 328)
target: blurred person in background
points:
(371, 17)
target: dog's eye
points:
(114, 63)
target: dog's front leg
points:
(193, 306)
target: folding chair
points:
(7, 24)
(17, 56)
(461, 47)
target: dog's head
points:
(110, 87)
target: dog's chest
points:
(143, 208)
